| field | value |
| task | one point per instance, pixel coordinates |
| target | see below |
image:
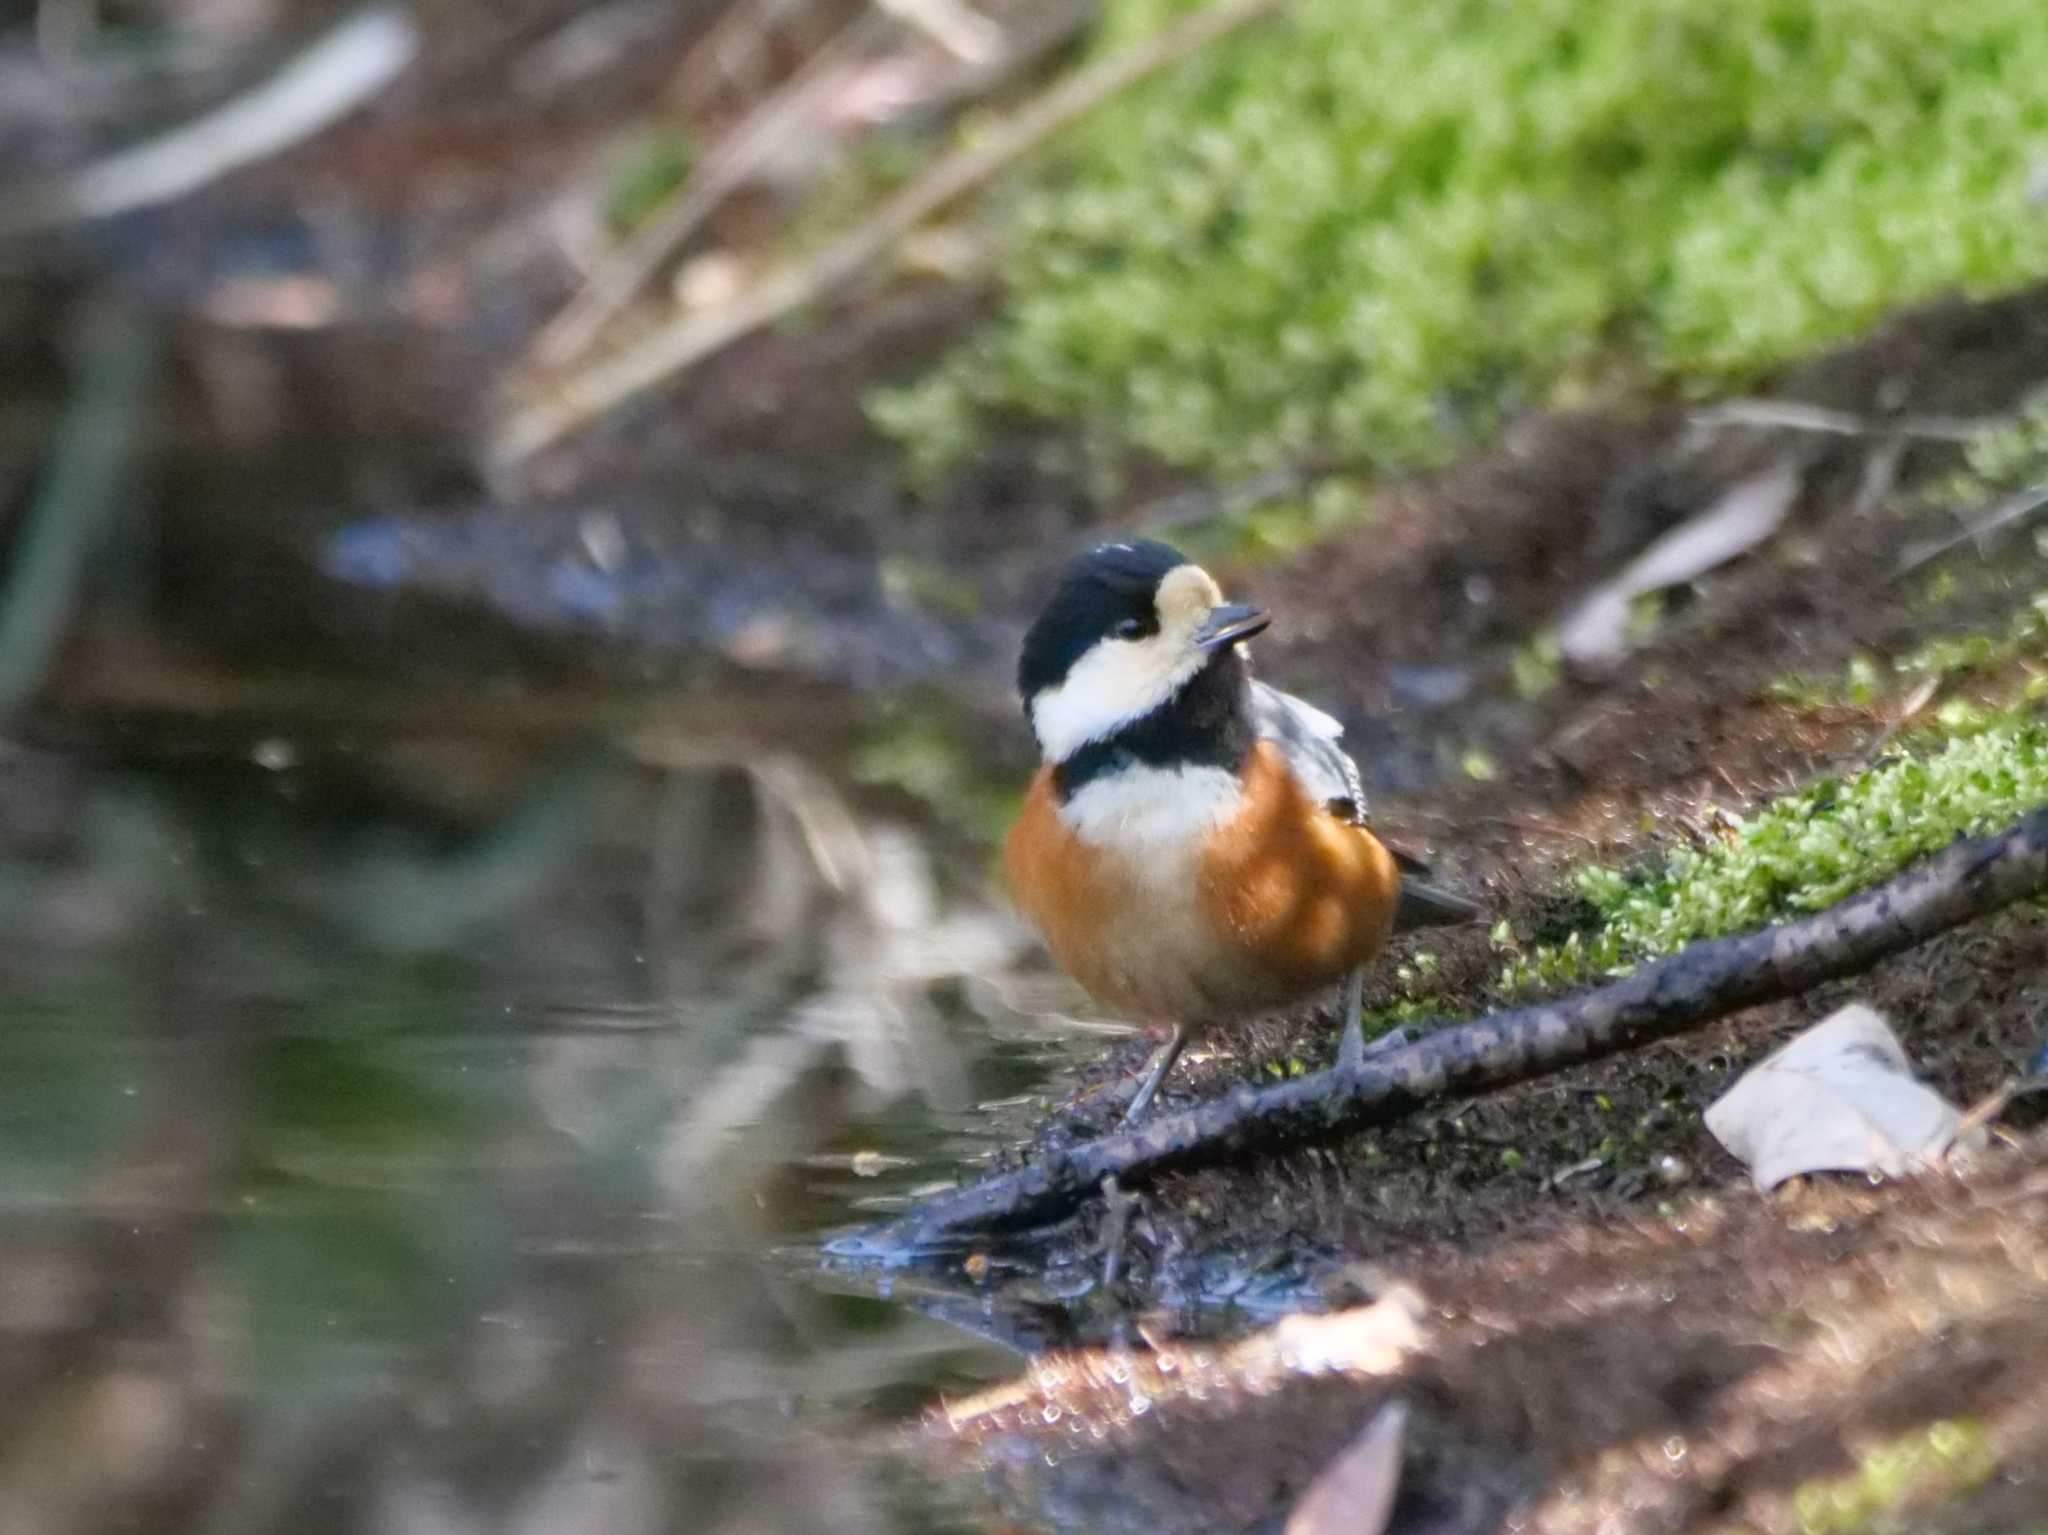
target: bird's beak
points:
(1230, 623)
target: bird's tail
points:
(1428, 906)
(1423, 904)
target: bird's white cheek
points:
(1112, 685)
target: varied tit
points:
(1194, 848)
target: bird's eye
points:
(1132, 629)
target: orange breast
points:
(1309, 896)
(1073, 894)
(1280, 901)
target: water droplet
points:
(1671, 1171)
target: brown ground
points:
(1615, 767)
(1594, 1305)
(1839, 1359)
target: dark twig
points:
(1698, 984)
(2012, 509)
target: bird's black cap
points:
(1098, 590)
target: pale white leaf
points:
(1354, 1493)
(1596, 631)
(1841, 1097)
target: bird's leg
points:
(1162, 1063)
(1118, 1202)
(1118, 1205)
(1351, 1048)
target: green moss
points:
(2003, 457)
(1538, 667)
(1376, 225)
(1261, 530)
(648, 173)
(1997, 662)
(1997, 461)
(1941, 1461)
(1979, 762)
(913, 747)
(1424, 1006)
(922, 583)
(1801, 853)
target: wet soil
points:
(1835, 1359)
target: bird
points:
(1193, 848)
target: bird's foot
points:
(1162, 1063)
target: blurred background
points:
(514, 523)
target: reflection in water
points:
(412, 1172)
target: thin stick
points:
(579, 400)
(1701, 983)
(1800, 416)
(737, 156)
(2012, 509)
(612, 284)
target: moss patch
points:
(1933, 1466)
(648, 173)
(1380, 225)
(1801, 853)
(912, 747)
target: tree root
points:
(1700, 983)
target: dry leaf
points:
(1354, 1493)
(1596, 631)
(1841, 1097)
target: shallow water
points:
(370, 1166)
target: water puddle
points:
(370, 1162)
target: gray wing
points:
(1309, 737)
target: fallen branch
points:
(575, 402)
(737, 157)
(743, 152)
(334, 75)
(1698, 984)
